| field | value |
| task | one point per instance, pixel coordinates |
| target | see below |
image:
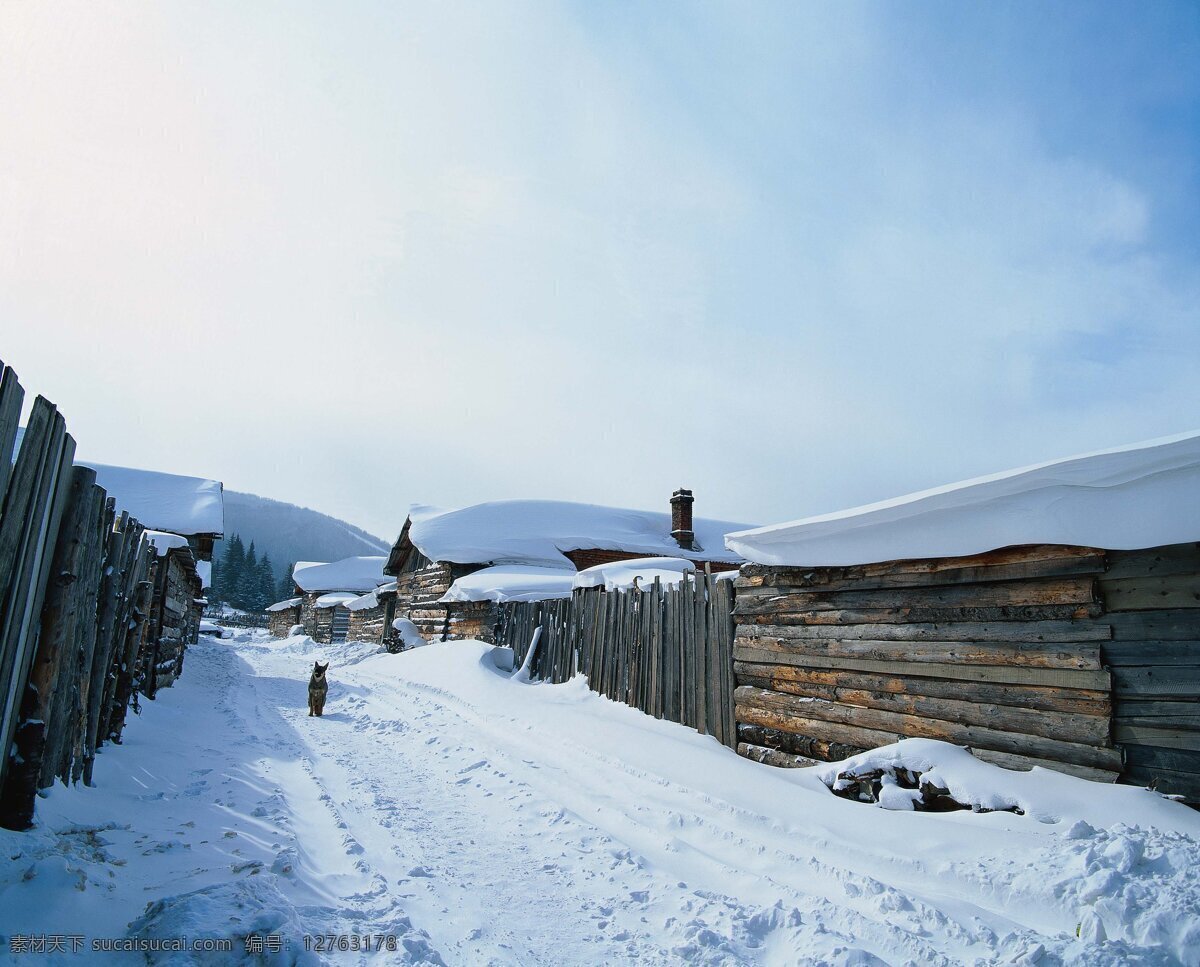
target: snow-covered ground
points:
(479, 820)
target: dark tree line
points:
(243, 580)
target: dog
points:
(318, 688)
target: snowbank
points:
(1136, 496)
(620, 575)
(358, 574)
(165, 501)
(408, 633)
(539, 531)
(901, 771)
(512, 582)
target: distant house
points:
(184, 516)
(326, 591)
(283, 616)
(453, 567)
(1045, 616)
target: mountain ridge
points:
(290, 533)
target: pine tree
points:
(247, 585)
(287, 586)
(265, 594)
(230, 570)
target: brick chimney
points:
(681, 519)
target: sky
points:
(793, 256)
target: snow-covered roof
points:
(539, 531)
(284, 605)
(359, 574)
(512, 582)
(164, 541)
(1143, 495)
(165, 501)
(619, 575)
(334, 599)
(371, 598)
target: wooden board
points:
(1046, 632)
(1048, 591)
(1082, 656)
(1001, 674)
(755, 701)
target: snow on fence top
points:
(620, 575)
(165, 501)
(359, 574)
(540, 531)
(512, 582)
(1143, 495)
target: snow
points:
(165, 501)
(621, 574)
(164, 542)
(204, 570)
(284, 605)
(371, 598)
(211, 628)
(408, 632)
(476, 819)
(359, 574)
(1045, 795)
(539, 531)
(1130, 497)
(512, 582)
(334, 599)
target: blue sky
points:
(794, 256)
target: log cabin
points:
(184, 517)
(326, 591)
(452, 568)
(1046, 616)
(283, 616)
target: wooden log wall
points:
(666, 651)
(175, 619)
(1152, 603)
(280, 623)
(418, 595)
(472, 619)
(75, 593)
(1066, 657)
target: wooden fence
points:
(76, 582)
(667, 651)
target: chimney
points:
(681, 519)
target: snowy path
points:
(482, 821)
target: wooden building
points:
(440, 556)
(283, 616)
(184, 517)
(1049, 616)
(371, 613)
(326, 591)
(175, 610)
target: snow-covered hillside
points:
(289, 533)
(475, 820)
